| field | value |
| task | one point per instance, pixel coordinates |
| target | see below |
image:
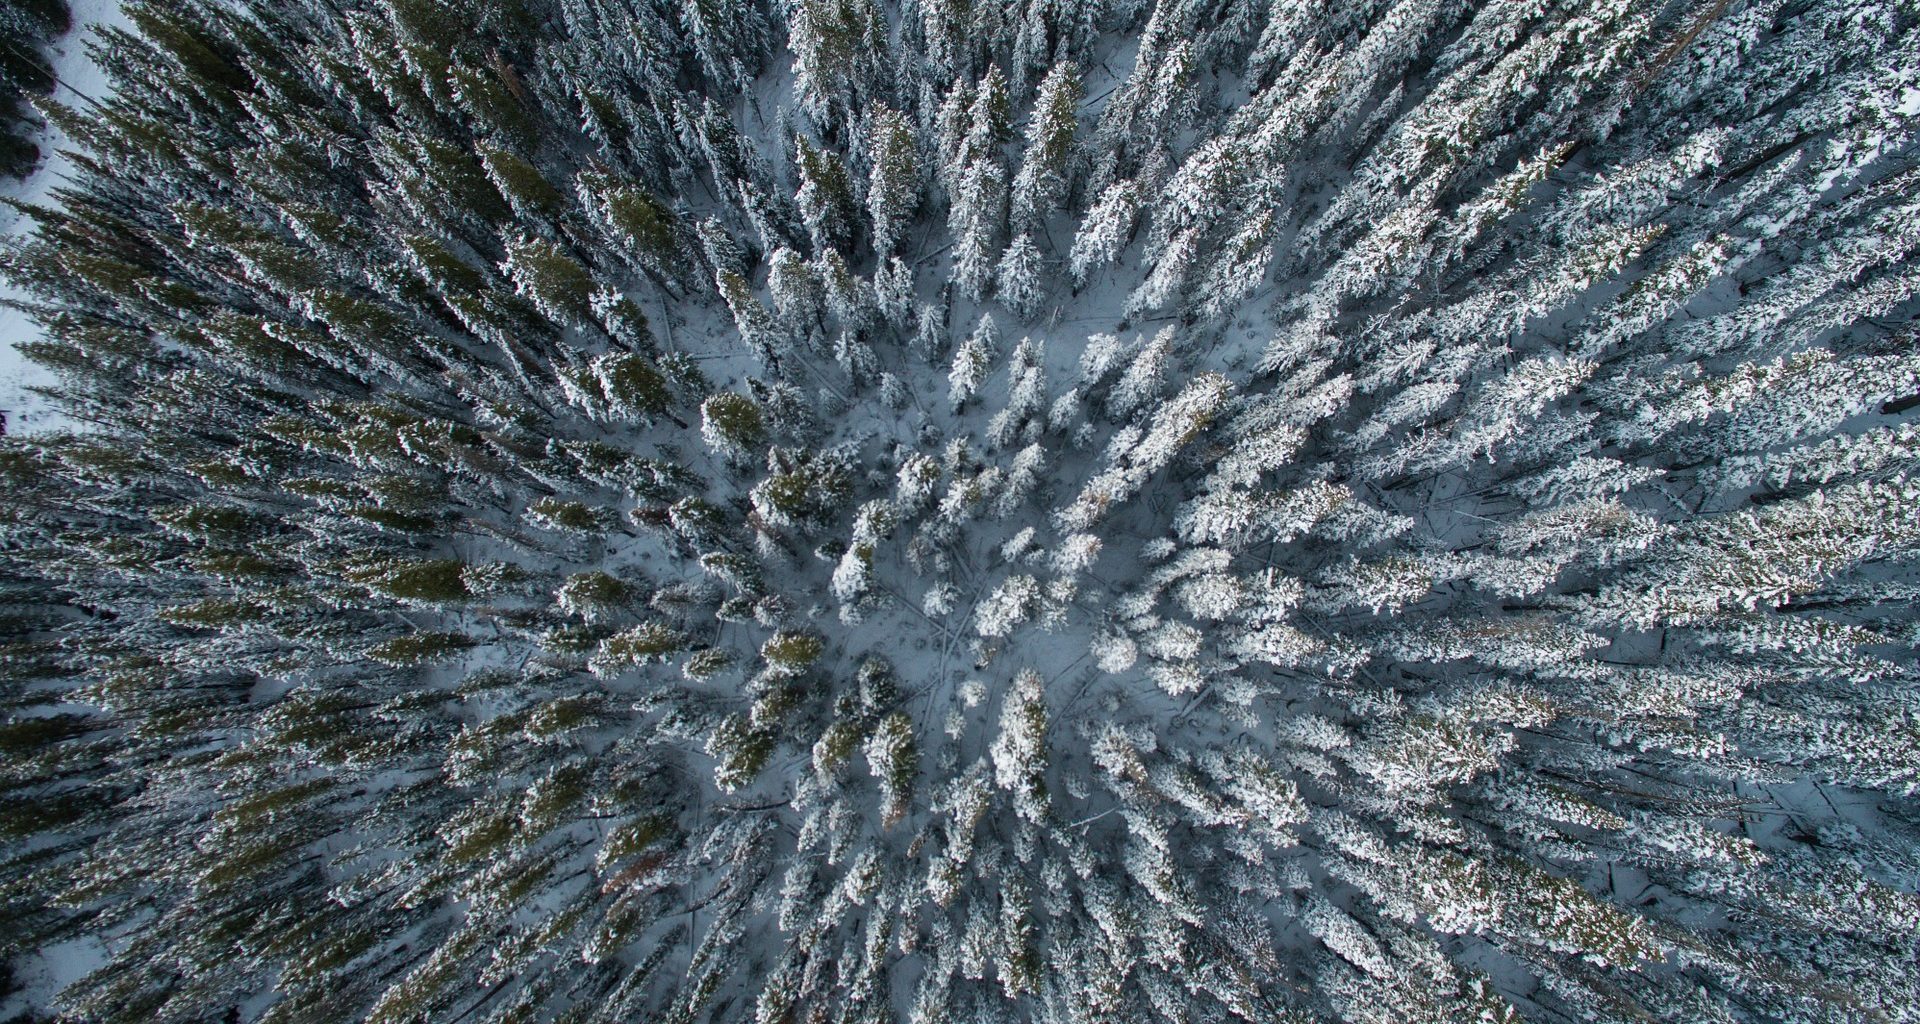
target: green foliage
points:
(737, 571)
(236, 566)
(895, 760)
(740, 751)
(24, 818)
(419, 648)
(213, 613)
(523, 184)
(492, 95)
(570, 516)
(562, 715)
(439, 266)
(837, 744)
(415, 581)
(633, 386)
(790, 652)
(825, 196)
(21, 737)
(701, 665)
(208, 522)
(250, 860)
(496, 579)
(732, 424)
(593, 594)
(631, 838)
(645, 644)
(253, 810)
(392, 519)
(803, 489)
(551, 279)
(650, 229)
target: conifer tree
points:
(1017, 281)
(825, 197)
(732, 425)
(1048, 166)
(758, 330)
(893, 186)
(1105, 231)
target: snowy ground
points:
(79, 78)
(41, 975)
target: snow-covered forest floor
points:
(79, 79)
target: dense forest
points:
(929, 511)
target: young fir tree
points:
(1018, 281)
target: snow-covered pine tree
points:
(1048, 165)
(825, 196)
(893, 185)
(1105, 230)
(1019, 279)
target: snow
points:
(80, 79)
(42, 974)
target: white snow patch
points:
(79, 79)
(42, 975)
